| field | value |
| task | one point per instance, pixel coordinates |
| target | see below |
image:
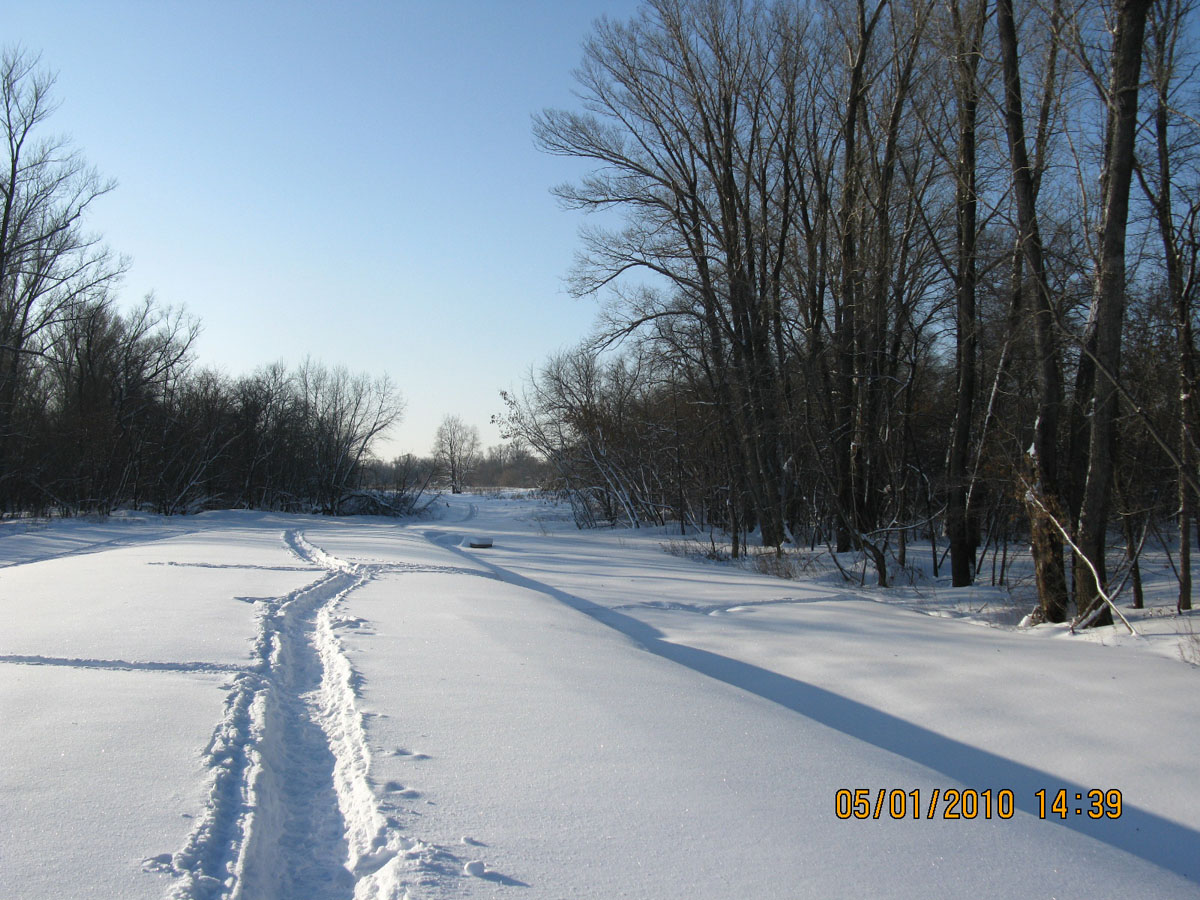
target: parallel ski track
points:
(291, 813)
(86, 547)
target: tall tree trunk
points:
(1043, 502)
(1108, 304)
(851, 463)
(968, 37)
(1168, 19)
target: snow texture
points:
(244, 705)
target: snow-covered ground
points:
(264, 706)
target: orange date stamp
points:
(968, 803)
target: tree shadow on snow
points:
(1151, 837)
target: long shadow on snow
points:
(1144, 834)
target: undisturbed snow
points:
(265, 706)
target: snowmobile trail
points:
(291, 812)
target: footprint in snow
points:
(411, 754)
(161, 863)
(395, 787)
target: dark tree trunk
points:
(1044, 488)
(1165, 31)
(1108, 305)
(969, 37)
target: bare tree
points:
(1175, 203)
(1102, 341)
(344, 415)
(456, 448)
(48, 264)
(967, 25)
(1044, 486)
(690, 115)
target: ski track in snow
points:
(85, 548)
(291, 811)
(122, 665)
(716, 609)
(431, 568)
(249, 566)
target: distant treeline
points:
(110, 412)
(101, 408)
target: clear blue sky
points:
(355, 181)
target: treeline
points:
(913, 268)
(456, 463)
(511, 464)
(101, 408)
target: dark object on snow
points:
(479, 543)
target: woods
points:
(884, 272)
(100, 406)
(877, 274)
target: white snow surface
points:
(261, 706)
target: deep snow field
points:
(263, 706)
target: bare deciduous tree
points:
(1102, 340)
(456, 448)
(49, 265)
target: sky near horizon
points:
(357, 182)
